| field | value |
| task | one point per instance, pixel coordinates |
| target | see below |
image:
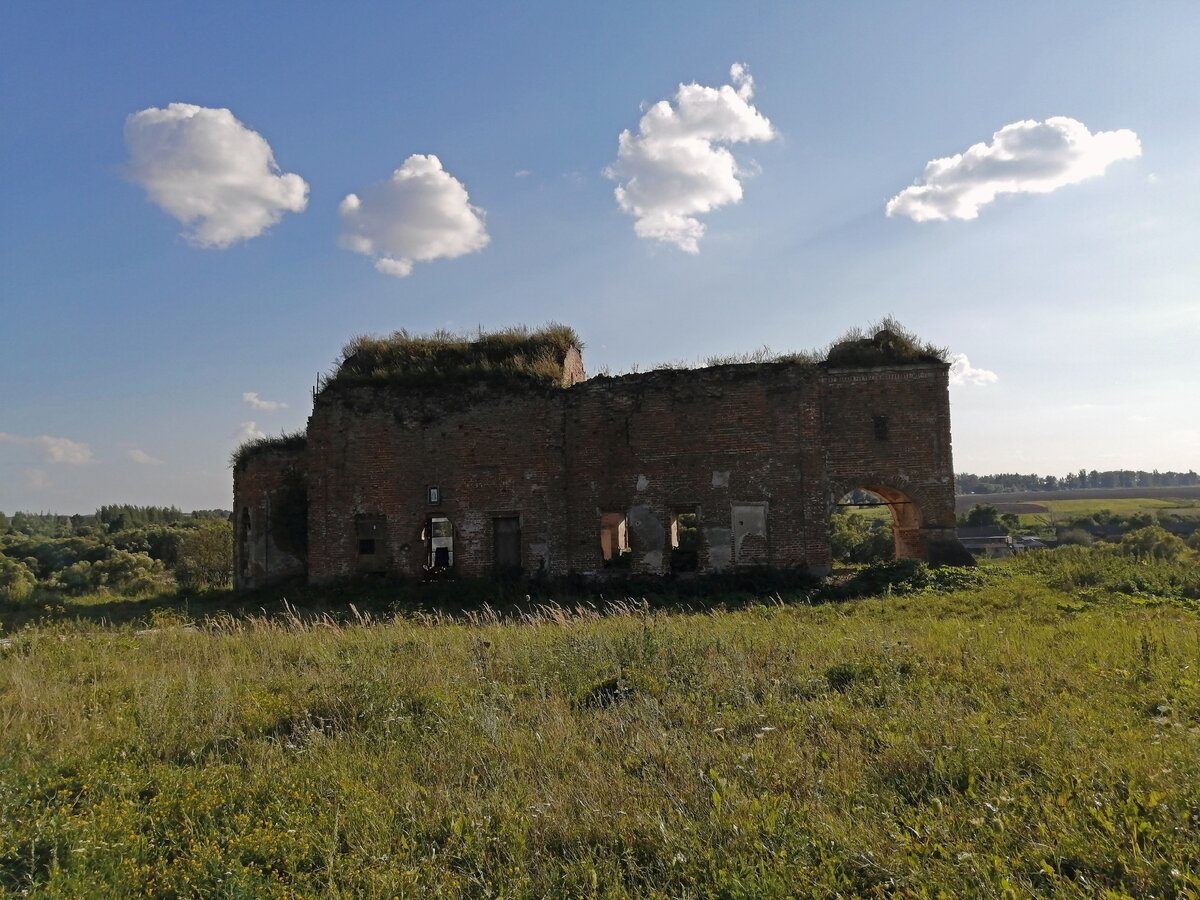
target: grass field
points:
(1020, 729)
(1046, 509)
(1126, 501)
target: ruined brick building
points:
(448, 457)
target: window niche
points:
(881, 428)
(506, 546)
(244, 543)
(615, 552)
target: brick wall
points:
(262, 497)
(760, 453)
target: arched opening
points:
(872, 523)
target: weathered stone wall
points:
(759, 453)
(263, 495)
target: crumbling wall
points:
(492, 455)
(711, 441)
(270, 496)
(754, 455)
(887, 429)
(758, 454)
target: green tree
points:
(16, 580)
(856, 538)
(983, 515)
(131, 574)
(1152, 542)
(204, 556)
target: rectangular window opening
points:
(614, 541)
(366, 547)
(881, 428)
(685, 539)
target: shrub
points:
(205, 557)
(1152, 541)
(16, 580)
(1076, 537)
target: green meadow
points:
(1030, 728)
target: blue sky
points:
(126, 349)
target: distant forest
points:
(1006, 482)
(117, 517)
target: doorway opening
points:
(685, 539)
(874, 524)
(438, 536)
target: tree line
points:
(108, 519)
(127, 550)
(1012, 482)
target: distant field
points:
(1126, 501)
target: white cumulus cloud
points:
(211, 172)
(56, 449)
(421, 213)
(249, 431)
(256, 402)
(1026, 157)
(678, 165)
(962, 372)
(142, 458)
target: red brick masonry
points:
(759, 452)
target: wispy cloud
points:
(36, 479)
(420, 214)
(249, 431)
(211, 172)
(962, 372)
(56, 449)
(141, 457)
(256, 402)
(678, 165)
(1028, 157)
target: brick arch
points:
(913, 513)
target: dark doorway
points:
(506, 545)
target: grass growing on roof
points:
(287, 440)
(510, 355)
(857, 347)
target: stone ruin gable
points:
(887, 430)
(268, 544)
(738, 445)
(492, 451)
